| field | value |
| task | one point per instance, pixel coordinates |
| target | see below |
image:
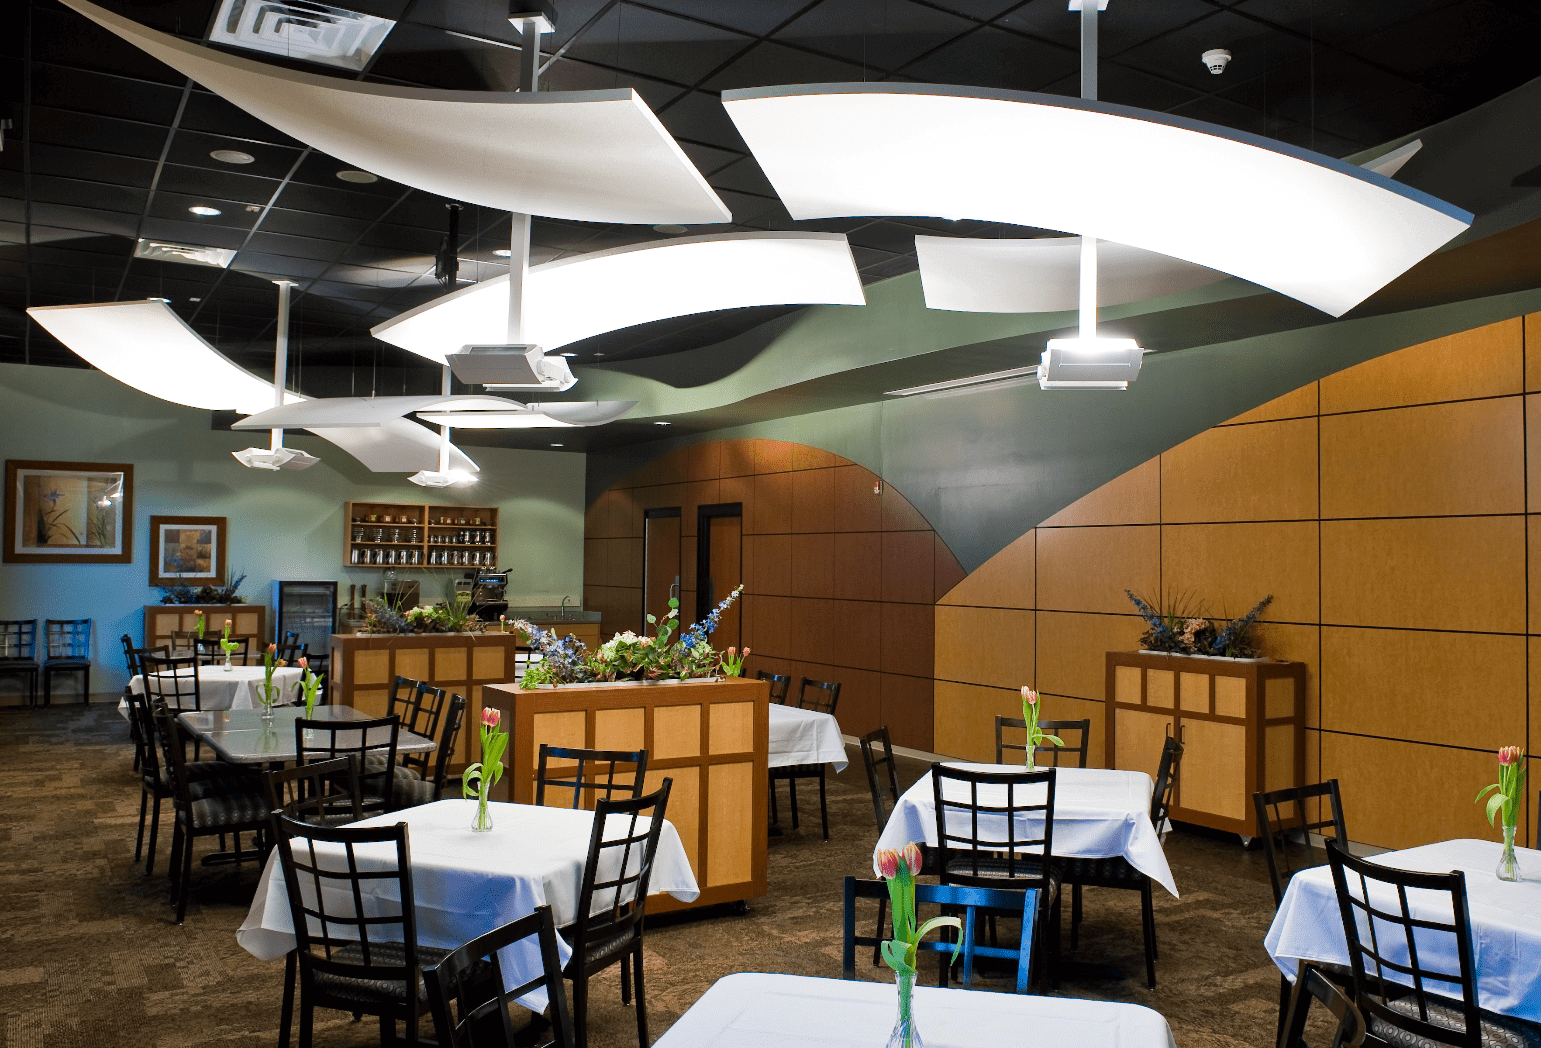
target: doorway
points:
(660, 563)
(720, 567)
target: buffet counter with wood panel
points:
(710, 738)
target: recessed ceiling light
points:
(567, 354)
(232, 156)
(204, 210)
(558, 445)
(671, 229)
(660, 423)
(195, 300)
(502, 252)
(362, 178)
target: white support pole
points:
(281, 356)
(1088, 297)
(518, 268)
(444, 388)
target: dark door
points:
(720, 567)
(660, 562)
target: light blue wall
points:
(285, 525)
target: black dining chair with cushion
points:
(954, 899)
(821, 697)
(366, 963)
(1311, 985)
(877, 756)
(18, 653)
(594, 774)
(131, 660)
(68, 646)
(371, 743)
(1116, 872)
(173, 680)
(1392, 976)
(321, 793)
(410, 792)
(1080, 730)
(232, 805)
(1286, 822)
(291, 653)
(780, 683)
(611, 908)
(466, 991)
(419, 706)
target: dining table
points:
(1099, 813)
(466, 883)
(247, 737)
(228, 687)
(799, 736)
(1505, 923)
(755, 1010)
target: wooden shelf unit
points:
(1242, 726)
(419, 536)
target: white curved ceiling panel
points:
(1044, 275)
(1308, 226)
(366, 411)
(147, 346)
(596, 156)
(535, 416)
(574, 298)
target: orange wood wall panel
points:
(1230, 567)
(1295, 404)
(1070, 648)
(965, 718)
(989, 646)
(1130, 498)
(1006, 580)
(1088, 569)
(1265, 471)
(1483, 362)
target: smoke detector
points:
(1215, 60)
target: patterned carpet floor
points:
(90, 955)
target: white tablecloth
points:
(771, 1011)
(804, 737)
(233, 690)
(1505, 922)
(1098, 813)
(465, 884)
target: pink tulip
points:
(886, 864)
(1029, 695)
(1509, 755)
(304, 663)
(490, 716)
(912, 857)
(272, 649)
(732, 651)
(746, 653)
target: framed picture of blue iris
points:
(68, 512)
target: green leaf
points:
(894, 952)
(1483, 792)
(1493, 804)
(674, 602)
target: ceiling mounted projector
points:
(511, 367)
(1090, 363)
(442, 478)
(275, 459)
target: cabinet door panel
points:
(1139, 737)
(1213, 774)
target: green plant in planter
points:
(1183, 628)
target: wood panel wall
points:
(1393, 511)
(839, 579)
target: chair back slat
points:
(18, 639)
(1058, 728)
(1285, 824)
(146, 739)
(871, 744)
(322, 793)
(998, 812)
(68, 638)
(1166, 779)
(420, 706)
(325, 740)
(821, 696)
(1382, 932)
(1312, 985)
(780, 683)
(466, 991)
(173, 680)
(134, 657)
(594, 774)
(619, 867)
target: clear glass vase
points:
(904, 1034)
(1508, 865)
(482, 823)
(227, 662)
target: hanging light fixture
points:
(276, 456)
(444, 476)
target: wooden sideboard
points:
(246, 620)
(1241, 723)
(710, 738)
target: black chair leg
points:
(792, 798)
(642, 1040)
(1075, 916)
(775, 816)
(1285, 990)
(580, 1007)
(155, 829)
(286, 1021)
(1148, 912)
(85, 686)
(307, 1019)
(176, 858)
(144, 806)
(626, 981)
(185, 886)
(823, 804)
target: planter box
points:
(1241, 722)
(711, 738)
(246, 620)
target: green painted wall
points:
(286, 525)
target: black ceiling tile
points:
(388, 264)
(709, 159)
(1387, 116)
(86, 164)
(183, 229)
(123, 137)
(422, 56)
(85, 252)
(88, 220)
(566, 74)
(233, 214)
(885, 236)
(866, 256)
(89, 92)
(977, 10)
(658, 45)
(60, 35)
(892, 268)
(404, 239)
(48, 189)
(320, 170)
(1129, 87)
(223, 185)
(333, 289)
(698, 116)
(1216, 109)
(297, 246)
(474, 17)
(1475, 45)
(325, 200)
(1177, 55)
(995, 59)
(1318, 140)
(744, 176)
(1336, 24)
(769, 63)
(192, 149)
(755, 19)
(277, 266)
(425, 211)
(1338, 81)
(209, 112)
(308, 224)
(876, 34)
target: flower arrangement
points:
(899, 869)
(1505, 796)
(185, 594)
(310, 685)
(1035, 735)
(200, 626)
(479, 778)
(451, 616)
(270, 662)
(227, 645)
(1183, 629)
(733, 662)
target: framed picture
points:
(187, 551)
(68, 512)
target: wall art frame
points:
(187, 551)
(68, 512)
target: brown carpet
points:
(90, 956)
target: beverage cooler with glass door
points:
(308, 609)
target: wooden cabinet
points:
(387, 534)
(1241, 723)
(246, 620)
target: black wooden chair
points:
(321, 793)
(1285, 823)
(68, 643)
(610, 911)
(823, 698)
(420, 708)
(371, 743)
(466, 989)
(366, 963)
(291, 653)
(131, 659)
(18, 653)
(780, 683)
(224, 805)
(1310, 985)
(1116, 872)
(593, 773)
(996, 830)
(1392, 976)
(870, 759)
(173, 680)
(973, 902)
(410, 792)
(1059, 728)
